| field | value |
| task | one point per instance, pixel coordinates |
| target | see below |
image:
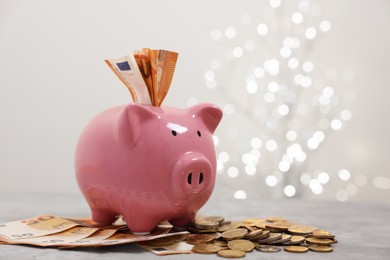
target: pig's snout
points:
(194, 173)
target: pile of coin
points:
(230, 239)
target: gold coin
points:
(220, 243)
(230, 226)
(282, 239)
(322, 234)
(296, 249)
(253, 234)
(204, 248)
(200, 238)
(205, 224)
(217, 219)
(276, 219)
(241, 245)
(294, 240)
(197, 230)
(272, 237)
(164, 241)
(234, 233)
(301, 229)
(263, 235)
(321, 248)
(253, 220)
(228, 253)
(279, 226)
(319, 241)
(268, 248)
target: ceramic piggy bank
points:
(148, 164)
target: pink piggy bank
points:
(148, 164)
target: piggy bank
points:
(148, 164)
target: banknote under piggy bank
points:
(148, 163)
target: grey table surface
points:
(362, 229)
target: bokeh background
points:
(303, 85)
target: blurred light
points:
(325, 26)
(319, 136)
(328, 91)
(250, 169)
(297, 18)
(306, 82)
(346, 115)
(272, 66)
(211, 83)
(361, 180)
(215, 64)
(238, 52)
(256, 143)
(249, 45)
(223, 157)
(336, 124)
(209, 75)
(271, 181)
(305, 178)
(382, 182)
(285, 52)
(303, 6)
(312, 144)
(230, 32)
(323, 177)
(284, 166)
(293, 63)
(248, 158)
(315, 186)
(344, 174)
(351, 189)
(273, 87)
(262, 29)
(283, 109)
(216, 34)
(269, 97)
(307, 66)
(342, 195)
(310, 33)
(240, 195)
(259, 72)
(229, 109)
(271, 145)
(219, 166)
(291, 135)
(251, 87)
(275, 3)
(216, 140)
(289, 190)
(232, 172)
(291, 42)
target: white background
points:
(53, 78)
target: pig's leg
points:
(141, 223)
(103, 216)
(183, 221)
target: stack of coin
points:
(234, 239)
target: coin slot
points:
(174, 133)
(199, 133)
(189, 178)
(200, 177)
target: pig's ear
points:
(128, 127)
(209, 114)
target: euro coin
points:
(234, 233)
(217, 219)
(164, 241)
(272, 237)
(241, 245)
(296, 249)
(204, 248)
(321, 234)
(200, 238)
(276, 219)
(268, 248)
(319, 241)
(294, 240)
(253, 234)
(205, 224)
(301, 229)
(321, 248)
(282, 239)
(228, 253)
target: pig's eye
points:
(174, 133)
(199, 133)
